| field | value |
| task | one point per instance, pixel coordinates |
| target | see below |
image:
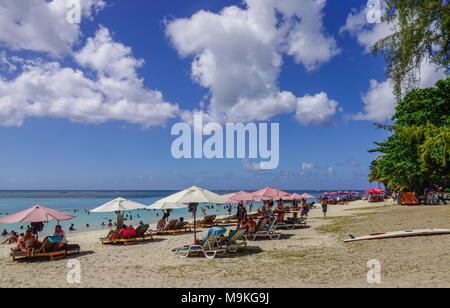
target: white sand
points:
(152, 264)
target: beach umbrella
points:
(117, 205)
(374, 191)
(167, 206)
(227, 196)
(272, 193)
(294, 196)
(37, 213)
(193, 196)
(246, 196)
(306, 196)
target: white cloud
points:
(6, 63)
(252, 166)
(331, 172)
(367, 34)
(315, 110)
(353, 163)
(47, 89)
(237, 54)
(379, 101)
(307, 166)
(42, 26)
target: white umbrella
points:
(166, 206)
(193, 196)
(117, 205)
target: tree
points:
(417, 155)
(422, 30)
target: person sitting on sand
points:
(60, 232)
(72, 228)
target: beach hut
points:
(193, 196)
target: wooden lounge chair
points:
(269, 232)
(209, 248)
(207, 222)
(172, 228)
(140, 234)
(227, 220)
(46, 250)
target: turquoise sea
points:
(84, 201)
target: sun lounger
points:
(269, 232)
(227, 220)
(46, 250)
(209, 248)
(140, 234)
(298, 222)
(207, 222)
(235, 241)
(172, 228)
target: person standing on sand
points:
(324, 203)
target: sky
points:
(91, 105)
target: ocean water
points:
(83, 201)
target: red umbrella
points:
(37, 213)
(374, 191)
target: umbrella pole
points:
(195, 224)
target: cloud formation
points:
(379, 101)
(117, 93)
(237, 54)
(42, 25)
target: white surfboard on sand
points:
(398, 234)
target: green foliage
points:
(422, 30)
(417, 155)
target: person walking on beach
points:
(305, 209)
(324, 203)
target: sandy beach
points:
(315, 256)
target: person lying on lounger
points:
(60, 232)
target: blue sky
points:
(90, 106)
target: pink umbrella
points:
(271, 193)
(294, 196)
(307, 196)
(37, 213)
(243, 196)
